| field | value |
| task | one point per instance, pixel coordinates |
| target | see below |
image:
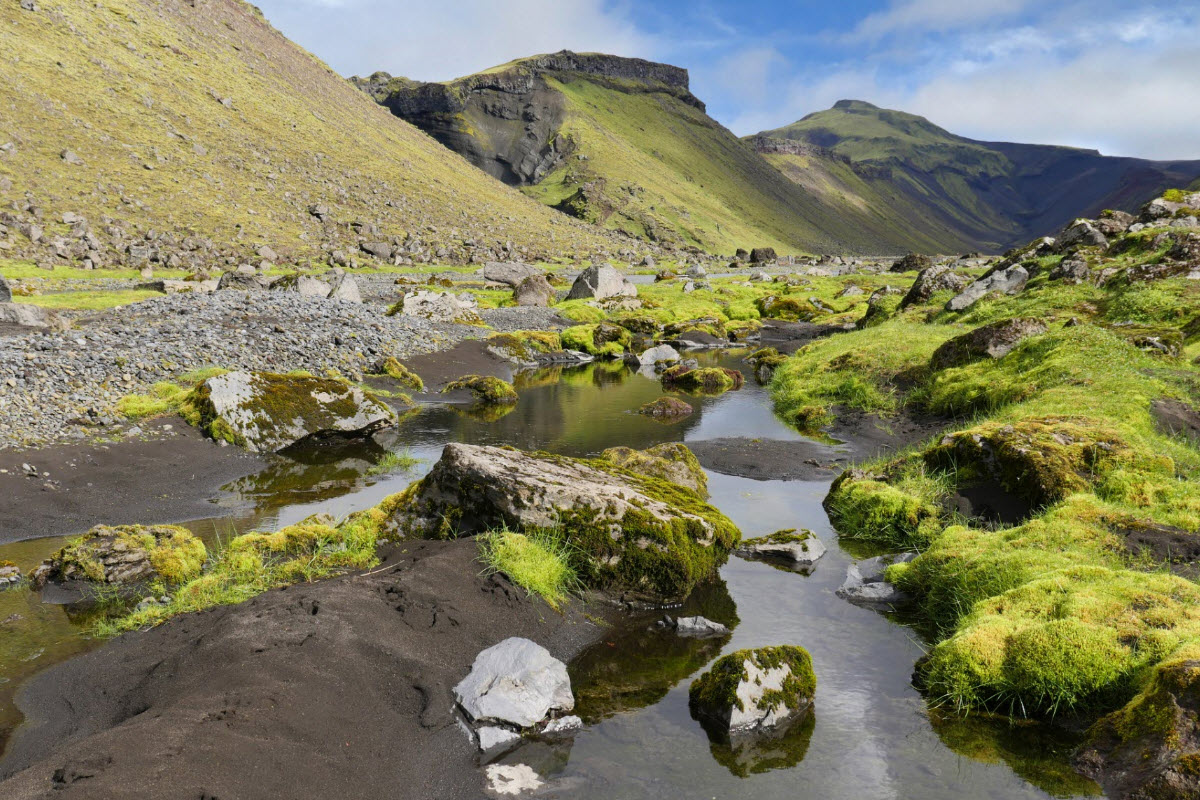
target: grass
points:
(165, 397)
(393, 461)
(89, 300)
(540, 562)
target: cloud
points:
(442, 40)
(935, 15)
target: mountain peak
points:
(855, 105)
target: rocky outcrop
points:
(265, 412)
(754, 691)
(932, 280)
(127, 554)
(534, 291)
(601, 282)
(911, 263)
(636, 533)
(441, 307)
(995, 340)
(1005, 281)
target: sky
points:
(1122, 77)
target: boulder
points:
(265, 412)
(666, 408)
(244, 277)
(801, 548)
(1114, 223)
(491, 737)
(534, 291)
(303, 285)
(344, 287)
(10, 574)
(5, 291)
(1071, 269)
(911, 263)
(865, 584)
(671, 461)
(516, 682)
(754, 691)
(1006, 281)
(442, 307)
(708, 380)
(696, 271)
(760, 276)
(693, 627)
(763, 255)
(663, 354)
(995, 340)
(127, 554)
(1081, 233)
(381, 250)
(932, 280)
(637, 533)
(601, 282)
(510, 273)
(23, 315)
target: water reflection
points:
(747, 755)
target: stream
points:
(871, 734)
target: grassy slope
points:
(992, 196)
(134, 88)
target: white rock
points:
(563, 725)
(516, 681)
(664, 352)
(491, 737)
(802, 552)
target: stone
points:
(763, 255)
(694, 627)
(635, 534)
(516, 682)
(912, 262)
(303, 285)
(696, 272)
(534, 291)
(754, 691)
(865, 584)
(244, 278)
(1005, 281)
(1114, 223)
(671, 461)
(381, 250)
(648, 262)
(801, 548)
(932, 280)
(125, 554)
(510, 273)
(662, 354)
(5, 291)
(1081, 233)
(994, 340)
(563, 726)
(10, 574)
(492, 736)
(267, 252)
(760, 276)
(1071, 269)
(442, 307)
(344, 287)
(23, 315)
(670, 408)
(71, 158)
(601, 282)
(264, 412)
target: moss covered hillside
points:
(622, 143)
(201, 120)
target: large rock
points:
(516, 682)
(442, 307)
(601, 282)
(931, 281)
(637, 533)
(995, 340)
(534, 291)
(1006, 281)
(244, 277)
(264, 412)
(801, 548)
(303, 285)
(662, 354)
(344, 287)
(912, 262)
(511, 273)
(126, 554)
(763, 255)
(23, 315)
(1081, 233)
(754, 691)
(5, 291)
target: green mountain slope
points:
(147, 116)
(989, 194)
(623, 143)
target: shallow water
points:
(871, 735)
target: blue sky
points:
(1121, 77)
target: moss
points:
(599, 339)
(766, 357)
(666, 407)
(402, 374)
(526, 345)
(172, 553)
(783, 307)
(540, 562)
(672, 462)
(716, 690)
(486, 389)
(705, 380)
(864, 507)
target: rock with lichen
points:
(126, 554)
(485, 390)
(705, 380)
(265, 412)
(801, 548)
(754, 691)
(666, 408)
(637, 533)
(672, 461)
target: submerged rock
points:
(485, 389)
(601, 282)
(492, 736)
(637, 533)
(125, 554)
(754, 690)
(708, 380)
(516, 682)
(265, 412)
(802, 548)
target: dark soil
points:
(869, 436)
(341, 688)
(771, 459)
(170, 479)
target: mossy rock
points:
(750, 690)
(640, 325)
(401, 374)
(713, 326)
(525, 346)
(706, 380)
(639, 534)
(268, 412)
(125, 555)
(864, 506)
(668, 408)
(598, 339)
(881, 306)
(485, 389)
(784, 307)
(671, 461)
(995, 340)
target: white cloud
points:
(935, 15)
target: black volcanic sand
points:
(169, 479)
(341, 688)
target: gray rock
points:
(758, 703)
(344, 287)
(510, 273)
(534, 291)
(303, 285)
(760, 276)
(763, 255)
(931, 281)
(801, 548)
(994, 340)
(1081, 233)
(1071, 270)
(601, 282)
(515, 682)
(865, 584)
(694, 627)
(664, 352)
(696, 272)
(9, 576)
(442, 307)
(563, 725)
(491, 737)
(5, 291)
(381, 250)
(25, 316)
(266, 412)
(1005, 281)
(244, 278)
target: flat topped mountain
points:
(990, 194)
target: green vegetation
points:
(89, 300)
(526, 345)
(540, 562)
(173, 553)
(705, 380)
(715, 692)
(672, 461)
(165, 397)
(487, 390)
(393, 461)
(403, 375)
(601, 339)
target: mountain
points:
(989, 195)
(624, 144)
(161, 118)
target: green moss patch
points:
(486, 389)
(705, 380)
(716, 690)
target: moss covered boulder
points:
(265, 412)
(485, 390)
(395, 370)
(988, 341)
(669, 408)
(601, 339)
(754, 691)
(792, 309)
(801, 548)
(672, 462)
(526, 348)
(632, 532)
(705, 380)
(126, 554)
